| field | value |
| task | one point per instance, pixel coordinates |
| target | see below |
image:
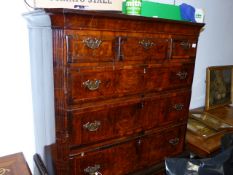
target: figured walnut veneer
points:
(122, 90)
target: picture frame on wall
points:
(219, 86)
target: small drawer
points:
(89, 46)
(86, 85)
(169, 108)
(157, 79)
(129, 156)
(184, 48)
(141, 49)
(156, 147)
(174, 108)
(180, 76)
(103, 83)
(106, 123)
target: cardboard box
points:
(154, 9)
(108, 5)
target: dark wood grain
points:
(129, 156)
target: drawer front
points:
(130, 156)
(158, 79)
(104, 124)
(170, 108)
(90, 85)
(127, 118)
(181, 76)
(141, 49)
(98, 84)
(176, 108)
(118, 160)
(85, 46)
(94, 84)
(154, 148)
(184, 48)
(89, 46)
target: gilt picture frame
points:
(211, 121)
(219, 86)
(200, 129)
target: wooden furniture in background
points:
(122, 88)
(210, 146)
(14, 164)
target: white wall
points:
(215, 43)
(16, 119)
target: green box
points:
(154, 9)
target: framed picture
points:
(219, 86)
(200, 128)
(211, 121)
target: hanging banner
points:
(109, 5)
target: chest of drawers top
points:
(97, 37)
(76, 19)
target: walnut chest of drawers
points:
(122, 87)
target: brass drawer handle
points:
(185, 45)
(178, 107)
(92, 43)
(92, 126)
(146, 44)
(174, 141)
(92, 170)
(182, 75)
(4, 171)
(92, 85)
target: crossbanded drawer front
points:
(141, 49)
(181, 76)
(125, 119)
(130, 156)
(156, 147)
(89, 85)
(158, 79)
(94, 84)
(89, 46)
(99, 84)
(106, 123)
(170, 108)
(184, 48)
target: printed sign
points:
(110, 5)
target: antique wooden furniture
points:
(207, 147)
(122, 88)
(14, 164)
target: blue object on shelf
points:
(187, 12)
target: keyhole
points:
(144, 71)
(139, 142)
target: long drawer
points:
(126, 118)
(129, 156)
(92, 84)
